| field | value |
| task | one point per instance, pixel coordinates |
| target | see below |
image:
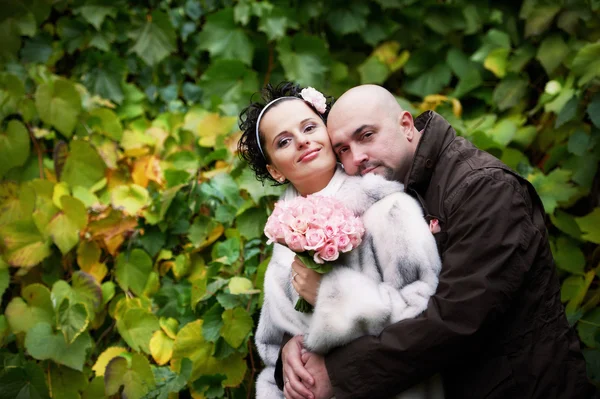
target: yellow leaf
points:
(147, 169)
(169, 326)
(105, 357)
(60, 190)
(161, 347)
(387, 53)
(213, 126)
(190, 343)
(432, 101)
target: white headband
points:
(309, 94)
(260, 117)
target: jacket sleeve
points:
(489, 226)
(391, 285)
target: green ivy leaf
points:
(109, 124)
(12, 92)
(65, 226)
(156, 40)
(553, 188)
(552, 52)
(257, 190)
(95, 389)
(590, 226)
(212, 323)
(66, 382)
(222, 39)
(589, 327)
(24, 245)
(570, 287)
(593, 111)
(540, 18)
(130, 198)
(373, 71)
(191, 344)
(34, 307)
(509, 92)
(84, 167)
(14, 146)
(568, 256)
(168, 382)
(27, 381)
(237, 324)
(304, 59)
(95, 14)
(586, 63)
(43, 344)
(58, 104)
(135, 376)
(72, 320)
(350, 18)
(429, 82)
(136, 326)
(566, 223)
(229, 84)
(132, 270)
(276, 23)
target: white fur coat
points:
(388, 278)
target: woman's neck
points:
(315, 183)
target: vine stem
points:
(249, 393)
(38, 150)
(270, 66)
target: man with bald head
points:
(495, 327)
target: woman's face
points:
(296, 140)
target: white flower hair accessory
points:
(315, 98)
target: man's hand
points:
(305, 281)
(315, 365)
(295, 376)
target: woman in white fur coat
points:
(389, 277)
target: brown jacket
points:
(496, 327)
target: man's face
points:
(369, 140)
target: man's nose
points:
(359, 158)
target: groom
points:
(496, 326)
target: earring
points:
(282, 180)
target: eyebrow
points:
(285, 131)
(354, 134)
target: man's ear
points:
(275, 174)
(407, 124)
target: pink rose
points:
(343, 243)
(300, 224)
(295, 241)
(315, 239)
(329, 252)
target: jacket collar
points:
(437, 135)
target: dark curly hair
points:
(247, 147)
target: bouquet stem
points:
(302, 305)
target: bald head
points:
(371, 133)
(366, 98)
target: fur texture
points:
(389, 277)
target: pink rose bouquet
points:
(317, 228)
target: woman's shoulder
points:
(359, 193)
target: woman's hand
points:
(305, 281)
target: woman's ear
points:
(275, 174)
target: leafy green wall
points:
(131, 236)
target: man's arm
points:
(484, 264)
